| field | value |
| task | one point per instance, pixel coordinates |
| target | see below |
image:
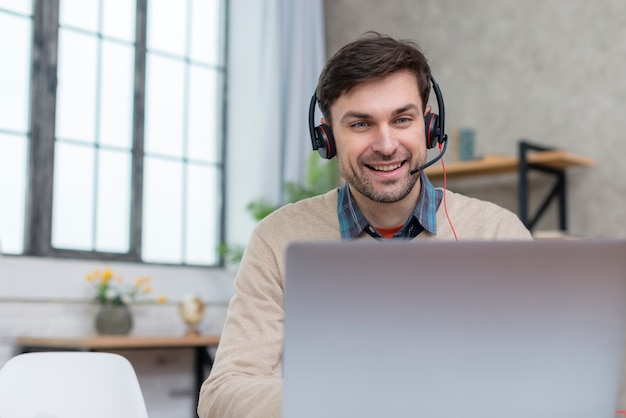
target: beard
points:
(383, 191)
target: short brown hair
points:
(371, 56)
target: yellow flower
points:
(110, 288)
(161, 299)
(140, 281)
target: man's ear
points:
(324, 121)
(428, 110)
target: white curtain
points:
(303, 56)
(275, 54)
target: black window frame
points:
(38, 221)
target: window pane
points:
(76, 91)
(164, 106)
(167, 21)
(13, 166)
(118, 19)
(113, 202)
(72, 203)
(94, 111)
(206, 27)
(203, 207)
(204, 137)
(162, 214)
(19, 6)
(15, 41)
(79, 13)
(116, 109)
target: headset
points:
(323, 141)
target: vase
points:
(114, 320)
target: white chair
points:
(70, 385)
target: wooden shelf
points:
(535, 157)
(498, 164)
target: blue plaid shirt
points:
(353, 223)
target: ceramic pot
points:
(114, 320)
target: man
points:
(373, 95)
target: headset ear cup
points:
(432, 130)
(325, 141)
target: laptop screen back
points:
(454, 329)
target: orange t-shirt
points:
(388, 232)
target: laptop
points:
(531, 329)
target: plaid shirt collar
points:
(353, 223)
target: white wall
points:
(48, 298)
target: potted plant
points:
(114, 296)
(320, 176)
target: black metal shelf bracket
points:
(557, 193)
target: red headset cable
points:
(445, 188)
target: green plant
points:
(320, 176)
(111, 289)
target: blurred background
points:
(134, 134)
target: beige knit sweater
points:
(246, 377)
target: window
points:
(111, 147)
(16, 26)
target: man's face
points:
(379, 133)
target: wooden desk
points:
(199, 344)
(121, 342)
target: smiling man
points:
(373, 94)
(379, 124)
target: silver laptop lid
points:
(454, 329)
